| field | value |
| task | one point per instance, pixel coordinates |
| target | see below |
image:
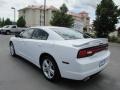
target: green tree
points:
(21, 22)
(64, 8)
(107, 14)
(61, 18)
(2, 22)
(119, 31)
(7, 22)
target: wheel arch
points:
(49, 55)
(10, 42)
(8, 30)
(43, 55)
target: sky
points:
(73, 5)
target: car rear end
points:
(81, 55)
(91, 58)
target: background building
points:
(81, 21)
(34, 15)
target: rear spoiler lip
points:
(101, 45)
(97, 41)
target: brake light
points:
(92, 50)
(84, 53)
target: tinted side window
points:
(27, 34)
(13, 26)
(40, 34)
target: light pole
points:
(14, 13)
(44, 10)
(40, 17)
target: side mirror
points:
(17, 35)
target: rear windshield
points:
(68, 34)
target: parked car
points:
(61, 52)
(8, 29)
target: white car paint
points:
(63, 50)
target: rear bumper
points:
(83, 75)
(85, 67)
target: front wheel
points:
(12, 50)
(50, 69)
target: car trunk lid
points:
(85, 43)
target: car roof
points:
(47, 27)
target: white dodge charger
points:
(61, 52)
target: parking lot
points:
(18, 74)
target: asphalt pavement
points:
(18, 74)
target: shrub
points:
(118, 40)
(114, 39)
(21, 22)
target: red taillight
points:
(92, 50)
(84, 53)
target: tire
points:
(12, 50)
(50, 69)
(8, 32)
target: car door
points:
(23, 38)
(33, 46)
(13, 29)
(19, 46)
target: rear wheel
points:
(50, 69)
(12, 50)
(7, 32)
